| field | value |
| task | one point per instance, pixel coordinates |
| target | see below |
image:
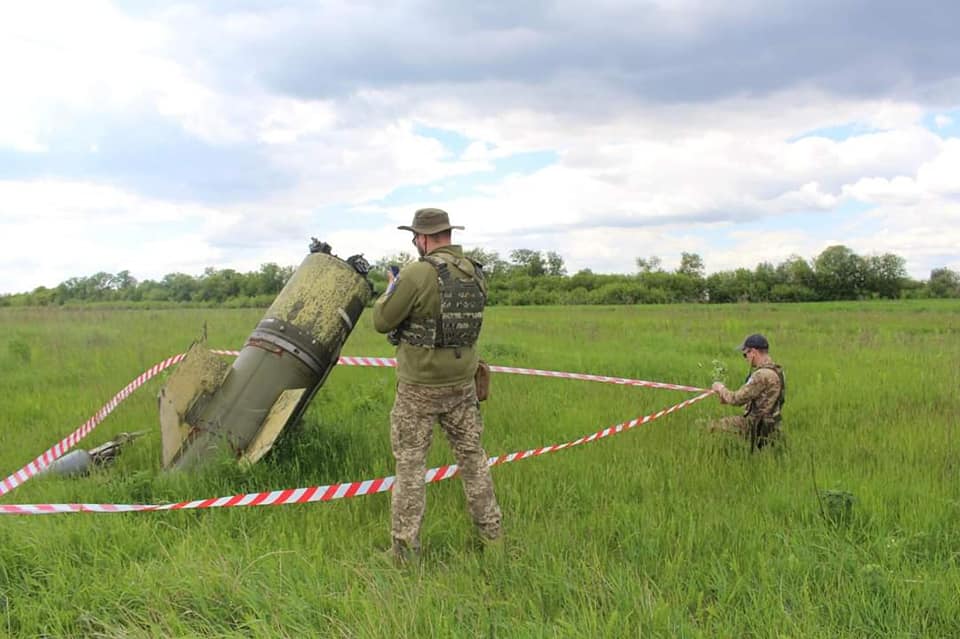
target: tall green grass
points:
(664, 530)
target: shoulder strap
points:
(443, 269)
(437, 262)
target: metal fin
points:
(200, 373)
(273, 425)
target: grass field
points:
(664, 530)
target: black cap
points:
(757, 341)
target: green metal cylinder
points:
(287, 356)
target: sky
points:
(171, 137)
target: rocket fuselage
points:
(282, 365)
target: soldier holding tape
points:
(432, 311)
(763, 395)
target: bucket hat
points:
(430, 221)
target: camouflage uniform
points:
(416, 410)
(435, 384)
(762, 394)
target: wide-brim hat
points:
(430, 221)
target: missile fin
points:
(199, 374)
(273, 425)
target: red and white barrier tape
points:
(64, 445)
(389, 361)
(333, 491)
(26, 473)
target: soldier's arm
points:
(394, 305)
(746, 393)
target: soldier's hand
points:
(717, 387)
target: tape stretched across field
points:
(314, 493)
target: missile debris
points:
(208, 404)
(80, 462)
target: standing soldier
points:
(432, 311)
(762, 394)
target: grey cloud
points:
(640, 220)
(853, 48)
(150, 155)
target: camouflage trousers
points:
(743, 426)
(416, 409)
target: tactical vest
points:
(762, 426)
(461, 311)
(775, 414)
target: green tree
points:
(886, 275)
(218, 285)
(765, 277)
(43, 296)
(840, 274)
(180, 287)
(555, 264)
(123, 282)
(529, 261)
(400, 259)
(688, 280)
(731, 286)
(944, 282)
(691, 265)
(269, 280)
(648, 264)
(493, 264)
(796, 271)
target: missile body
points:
(207, 404)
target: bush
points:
(618, 293)
(577, 296)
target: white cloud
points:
(289, 120)
(749, 248)
(933, 180)
(635, 175)
(51, 230)
(942, 173)
(926, 232)
(646, 190)
(96, 61)
(362, 164)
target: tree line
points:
(529, 277)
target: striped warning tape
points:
(333, 491)
(389, 361)
(59, 449)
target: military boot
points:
(404, 553)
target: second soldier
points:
(762, 395)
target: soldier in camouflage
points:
(432, 311)
(762, 394)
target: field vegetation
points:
(532, 278)
(850, 530)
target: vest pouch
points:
(482, 380)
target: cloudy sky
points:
(164, 137)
